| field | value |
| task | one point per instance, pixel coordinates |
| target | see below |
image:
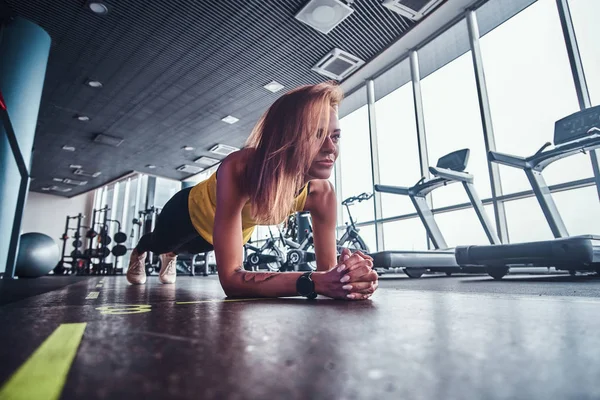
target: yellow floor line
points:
(92, 295)
(216, 301)
(45, 372)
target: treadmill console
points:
(456, 161)
(576, 125)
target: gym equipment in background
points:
(62, 268)
(576, 133)
(38, 255)
(99, 239)
(269, 256)
(145, 224)
(449, 169)
(351, 239)
(301, 255)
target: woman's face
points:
(322, 165)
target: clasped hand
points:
(352, 278)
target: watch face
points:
(305, 286)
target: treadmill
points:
(576, 133)
(449, 169)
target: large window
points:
(580, 210)
(398, 148)
(165, 189)
(526, 221)
(462, 227)
(585, 15)
(404, 235)
(453, 120)
(530, 86)
(355, 159)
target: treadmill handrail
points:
(507, 159)
(451, 174)
(404, 191)
(418, 190)
(541, 160)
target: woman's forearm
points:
(262, 284)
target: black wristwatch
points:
(305, 286)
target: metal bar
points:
(13, 248)
(14, 145)
(150, 192)
(420, 120)
(562, 187)
(486, 122)
(419, 115)
(581, 88)
(15, 234)
(481, 214)
(542, 193)
(432, 228)
(377, 206)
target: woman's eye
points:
(335, 138)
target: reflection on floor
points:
(460, 337)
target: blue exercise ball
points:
(38, 255)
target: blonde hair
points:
(286, 139)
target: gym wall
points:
(46, 213)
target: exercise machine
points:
(351, 238)
(76, 253)
(268, 256)
(576, 133)
(449, 169)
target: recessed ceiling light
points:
(150, 166)
(46, 189)
(68, 148)
(98, 7)
(57, 179)
(83, 118)
(188, 148)
(94, 84)
(230, 119)
(273, 86)
(75, 166)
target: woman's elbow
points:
(229, 285)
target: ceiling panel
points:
(170, 71)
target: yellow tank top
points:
(202, 204)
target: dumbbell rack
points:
(60, 268)
(98, 245)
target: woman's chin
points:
(320, 174)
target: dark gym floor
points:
(460, 337)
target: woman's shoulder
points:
(321, 195)
(236, 162)
(320, 187)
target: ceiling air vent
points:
(324, 15)
(108, 140)
(223, 149)
(59, 189)
(87, 174)
(206, 161)
(74, 182)
(192, 169)
(412, 9)
(338, 64)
